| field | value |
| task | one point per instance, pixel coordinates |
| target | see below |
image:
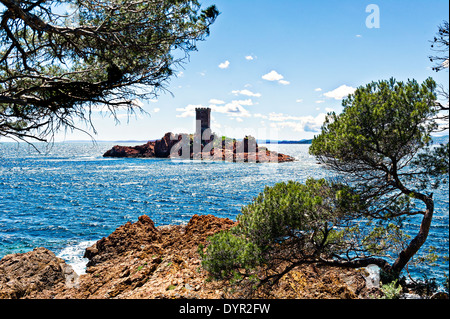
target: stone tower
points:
(204, 116)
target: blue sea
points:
(67, 196)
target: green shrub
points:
(294, 211)
(391, 290)
(226, 253)
(291, 222)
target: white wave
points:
(73, 255)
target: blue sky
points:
(275, 68)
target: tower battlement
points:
(203, 122)
(203, 114)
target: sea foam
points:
(73, 255)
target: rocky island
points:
(203, 145)
(229, 150)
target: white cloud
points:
(273, 76)
(188, 111)
(249, 57)
(340, 92)
(299, 101)
(246, 92)
(156, 110)
(214, 123)
(259, 115)
(320, 101)
(153, 100)
(358, 36)
(239, 119)
(234, 109)
(297, 123)
(280, 117)
(318, 90)
(248, 102)
(215, 101)
(224, 65)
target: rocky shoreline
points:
(141, 261)
(246, 150)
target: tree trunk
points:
(415, 244)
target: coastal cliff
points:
(141, 261)
(229, 150)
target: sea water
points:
(67, 196)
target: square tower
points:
(204, 116)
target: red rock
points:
(29, 273)
(146, 150)
(137, 236)
(201, 227)
(164, 145)
(139, 261)
(246, 150)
